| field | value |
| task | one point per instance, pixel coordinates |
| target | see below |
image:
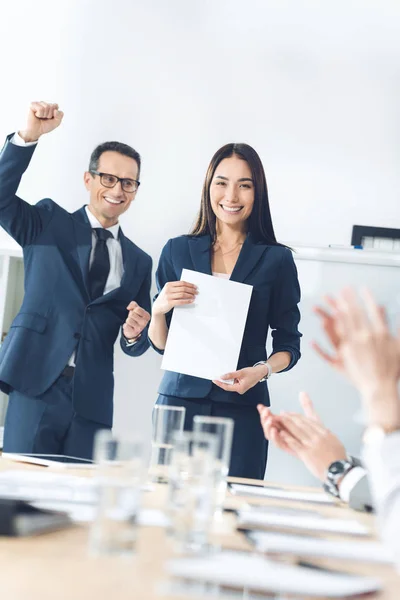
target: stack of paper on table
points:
(76, 496)
(304, 545)
(58, 461)
(256, 573)
(276, 518)
(46, 485)
(205, 337)
(280, 493)
(86, 513)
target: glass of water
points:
(222, 428)
(167, 421)
(118, 480)
(191, 498)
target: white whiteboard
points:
(323, 271)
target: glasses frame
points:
(119, 179)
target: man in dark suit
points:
(84, 282)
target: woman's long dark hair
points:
(259, 222)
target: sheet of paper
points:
(282, 494)
(50, 460)
(304, 545)
(85, 513)
(256, 573)
(47, 486)
(284, 510)
(205, 337)
(79, 513)
(257, 518)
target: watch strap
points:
(335, 473)
(266, 363)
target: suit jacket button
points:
(77, 336)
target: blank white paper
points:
(271, 492)
(205, 337)
(236, 569)
(256, 518)
(304, 545)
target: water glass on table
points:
(167, 421)
(222, 428)
(191, 498)
(118, 480)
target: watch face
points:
(338, 467)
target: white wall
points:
(313, 86)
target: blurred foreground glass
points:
(222, 428)
(191, 495)
(118, 480)
(167, 421)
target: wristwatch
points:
(268, 375)
(335, 473)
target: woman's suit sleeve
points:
(285, 314)
(165, 273)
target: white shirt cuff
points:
(128, 343)
(349, 481)
(18, 141)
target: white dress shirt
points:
(113, 245)
(382, 459)
(114, 251)
(116, 262)
(349, 481)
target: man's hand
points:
(329, 325)
(272, 427)
(312, 443)
(369, 352)
(303, 436)
(42, 118)
(136, 321)
(371, 356)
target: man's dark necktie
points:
(100, 268)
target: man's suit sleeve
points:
(19, 219)
(144, 301)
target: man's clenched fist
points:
(42, 118)
(136, 321)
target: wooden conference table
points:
(56, 566)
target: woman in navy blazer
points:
(233, 237)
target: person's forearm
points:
(279, 361)
(382, 406)
(158, 331)
(28, 137)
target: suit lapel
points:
(129, 270)
(250, 254)
(127, 260)
(200, 253)
(83, 233)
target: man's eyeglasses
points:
(110, 181)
